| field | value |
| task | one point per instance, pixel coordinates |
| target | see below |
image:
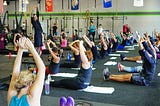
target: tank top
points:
(64, 43)
(54, 67)
(84, 75)
(15, 101)
(77, 59)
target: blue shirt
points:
(149, 63)
(92, 28)
(15, 101)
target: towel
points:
(96, 89)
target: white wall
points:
(140, 23)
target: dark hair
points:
(63, 35)
(55, 49)
(17, 37)
(76, 30)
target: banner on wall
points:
(107, 3)
(22, 6)
(74, 4)
(49, 5)
(1, 7)
(138, 3)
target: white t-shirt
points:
(100, 30)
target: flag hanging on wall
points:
(74, 4)
(1, 7)
(49, 5)
(107, 3)
(138, 3)
(22, 6)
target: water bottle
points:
(69, 57)
(34, 72)
(47, 87)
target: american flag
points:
(1, 6)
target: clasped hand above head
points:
(25, 43)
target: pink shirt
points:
(64, 43)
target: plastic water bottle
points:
(69, 57)
(34, 72)
(47, 87)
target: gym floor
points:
(124, 94)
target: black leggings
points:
(69, 65)
(70, 83)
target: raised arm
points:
(103, 42)
(87, 40)
(84, 59)
(51, 42)
(75, 50)
(37, 86)
(113, 37)
(50, 50)
(16, 70)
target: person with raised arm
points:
(25, 89)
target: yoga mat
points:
(96, 89)
(13, 55)
(113, 58)
(109, 63)
(114, 55)
(79, 68)
(122, 51)
(129, 47)
(69, 75)
(139, 61)
(136, 45)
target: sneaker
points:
(70, 101)
(63, 101)
(122, 56)
(106, 74)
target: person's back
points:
(24, 88)
(22, 101)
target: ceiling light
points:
(26, 1)
(5, 3)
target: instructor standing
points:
(37, 31)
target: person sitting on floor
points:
(77, 60)
(138, 58)
(104, 47)
(63, 42)
(24, 88)
(82, 80)
(55, 61)
(93, 47)
(146, 75)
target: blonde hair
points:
(24, 79)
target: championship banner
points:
(74, 4)
(1, 7)
(49, 5)
(138, 3)
(22, 6)
(107, 3)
